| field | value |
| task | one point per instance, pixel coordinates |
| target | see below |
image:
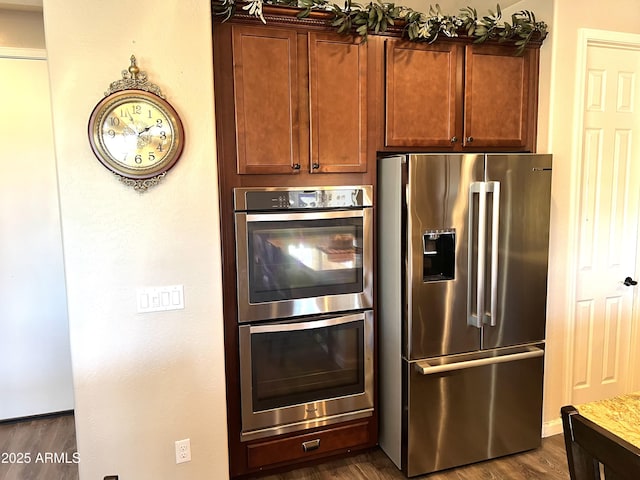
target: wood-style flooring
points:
(56, 435)
(39, 449)
(548, 462)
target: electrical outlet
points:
(183, 450)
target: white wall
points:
(142, 381)
(569, 17)
(35, 374)
(452, 7)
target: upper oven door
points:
(303, 263)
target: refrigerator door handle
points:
(476, 319)
(491, 318)
(423, 367)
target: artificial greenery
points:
(377, 16)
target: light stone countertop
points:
(620, 415)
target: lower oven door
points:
(305, 374)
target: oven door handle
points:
(289, 216)
(288, 327)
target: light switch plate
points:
(159, 299)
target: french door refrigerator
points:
(462, 283)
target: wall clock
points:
(134, 131)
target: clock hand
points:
(133, 123)
(145, 130)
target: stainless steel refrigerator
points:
(462, 284)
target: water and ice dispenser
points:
(439, 255)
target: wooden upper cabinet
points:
(423, 101)
(300, 101)
(500, 102)
(337, 103)
(449, 96)
(265, 75)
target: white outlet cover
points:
(183, 450)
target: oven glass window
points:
(302, 366)
(304, 258)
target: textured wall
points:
(142, 381)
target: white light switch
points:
(158, 299)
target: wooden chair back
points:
(592, 450)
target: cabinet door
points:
(338, 103)
(501, 95)
(423, 94)
(266, 100)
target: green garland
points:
(377, 16)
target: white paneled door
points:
(607, 235)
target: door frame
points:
(586, 39)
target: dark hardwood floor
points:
(51, 445)
(39, 449)
(546, 463)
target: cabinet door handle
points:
(296, 166)
(469, 139)
(311, 445)
(454, 139)
(316, 166)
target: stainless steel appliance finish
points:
(463, 242)
(303, 251)
(305, 373)
(471, 413)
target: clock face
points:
(136, 134)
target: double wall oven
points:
(304, 259)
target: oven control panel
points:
(253, 199)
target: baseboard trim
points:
(554, 427)
(40, 416)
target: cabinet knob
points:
(296, 166)
(316, 166)
(469, 139)
(454, 139)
